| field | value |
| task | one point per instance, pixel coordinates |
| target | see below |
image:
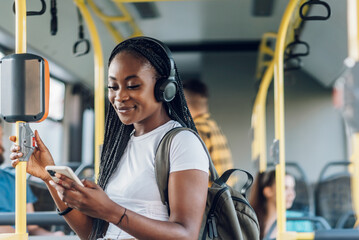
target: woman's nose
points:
(121, 95)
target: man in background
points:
(7, 198)
(196, 93)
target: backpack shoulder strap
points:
(162, 163)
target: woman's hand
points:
(40, 158)
(90, 199)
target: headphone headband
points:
(165, 88)
(165, 49)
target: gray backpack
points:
(228, 215)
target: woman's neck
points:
(151, 124)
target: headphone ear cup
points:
(165, 89)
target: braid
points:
(117, 134)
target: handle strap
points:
(224, 178)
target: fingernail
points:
(51, 183)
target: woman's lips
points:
(125, 109)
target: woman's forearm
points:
(142, 227)
(79, 222)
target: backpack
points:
(228, 215)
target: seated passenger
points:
(7, 198)
(263, 201)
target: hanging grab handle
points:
(318, 18)
(33, 13)
(53, 23)
(81, 39)
(289, 50)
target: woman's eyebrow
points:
(130, 77)
(126, 79)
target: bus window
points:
(57, 93)
(51, 129)
(88, 136)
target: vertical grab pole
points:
(20, 182)
(99, 83)
(279, 118)
(267, 79)
(353, 53)
(258, 120)
(355, 176)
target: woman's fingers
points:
(14, 148)
(67, 182)
(16, 155)
(60, 190)
(14, 162)
(89, 184)
(40, 144)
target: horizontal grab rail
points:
(39, 218)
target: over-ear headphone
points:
(165, 88)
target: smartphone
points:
(67, 171)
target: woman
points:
(126, 202)
(263, 199)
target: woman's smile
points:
(125, 109)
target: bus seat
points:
(305, 224)
(302, 201)
(333, 194)
(346, 220)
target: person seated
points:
(7, 198)
(263, 201)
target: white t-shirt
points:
(134, 186)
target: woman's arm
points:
(187, 192)
(41, 157)
(187, 199)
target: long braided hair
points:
(118, 134)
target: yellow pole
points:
(262, 141)
(99, 83)
(20, 171)
(353, 53)
(20, 196)
(279, 117)
(355, 175)
(353, 36)
(259, 144)
(107, 20)
(258, 120)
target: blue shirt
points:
(7, 192)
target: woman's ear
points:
(268, 192)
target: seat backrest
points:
(302, 201)
(333, 197)
(347, 220)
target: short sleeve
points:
(187, 152)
